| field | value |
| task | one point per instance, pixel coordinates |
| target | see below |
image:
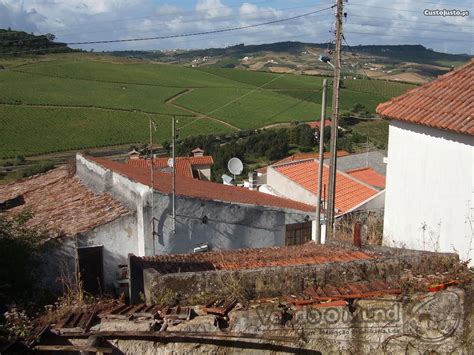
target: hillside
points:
(409, 63)
(21, 43)
(93, 100)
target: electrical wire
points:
(416, 37)
(413, 21)
(192, 34)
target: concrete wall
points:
(134, 195)
(227, 226)
(118, 238)
(430, 187)
(288, 188)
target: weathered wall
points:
(118, 238)
(430, 187)
(221, 225)
(419, 323)
(134, 195)
(193, 287)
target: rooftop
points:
(349, 192)
(316, 124)
(369, 176)
(60, 204)
(446, 103)
(205, 190)
(306, 254)
(184, 165)
(302, 156)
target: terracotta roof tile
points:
(446, 103)
(316, 124)
(302, 156)
(349, 192)
(306, 254)
(205, 190)
(369, 176)
(61, 205)
(184, 165)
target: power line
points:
(406, 28)
(203, 32)
(185, 34)
(152, 26)
(174, 13)
(413, 21)
(382, 7)
(397, 35)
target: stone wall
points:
(194, 287)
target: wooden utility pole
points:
(173, 128)
(334, 122)
(321, 161)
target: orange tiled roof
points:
(61, 205)
(369, 176)
(306, 254)
(316, 124)
(184, 165)
(445, 103)
(206, 190)
(302, 156)
(349, 192)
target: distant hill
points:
(406, 63)
(394, 53)
(21, 43)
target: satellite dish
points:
(235, 166)
(170, 162)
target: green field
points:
(76, 101)
(27, 131)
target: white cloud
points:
(90, 20)
(213, 8)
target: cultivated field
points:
(76, 101)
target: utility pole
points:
(334, 123)
(173, 128)
(152, 179)
(321, 161)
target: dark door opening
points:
(91, 268)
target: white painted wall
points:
(429, 193)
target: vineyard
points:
(75, 102)
(27, 131)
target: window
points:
(298, 233)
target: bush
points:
(35, 169)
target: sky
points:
(367, 22)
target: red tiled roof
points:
(205, 190)
(316, 124)
(349, 192)
(60, 204)
(445, 103)
(302, 156)
(184, 165)
(369, 176)
(305, 254)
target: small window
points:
(298, 233)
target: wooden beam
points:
(97, 349)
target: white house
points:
(102, 210)
(430, 171)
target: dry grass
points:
(372, 228)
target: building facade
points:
(430, 172)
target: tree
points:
(50, 37)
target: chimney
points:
(198, 152)
(253, 180)
(133, 155)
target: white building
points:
(430, 171)
(106, 210)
